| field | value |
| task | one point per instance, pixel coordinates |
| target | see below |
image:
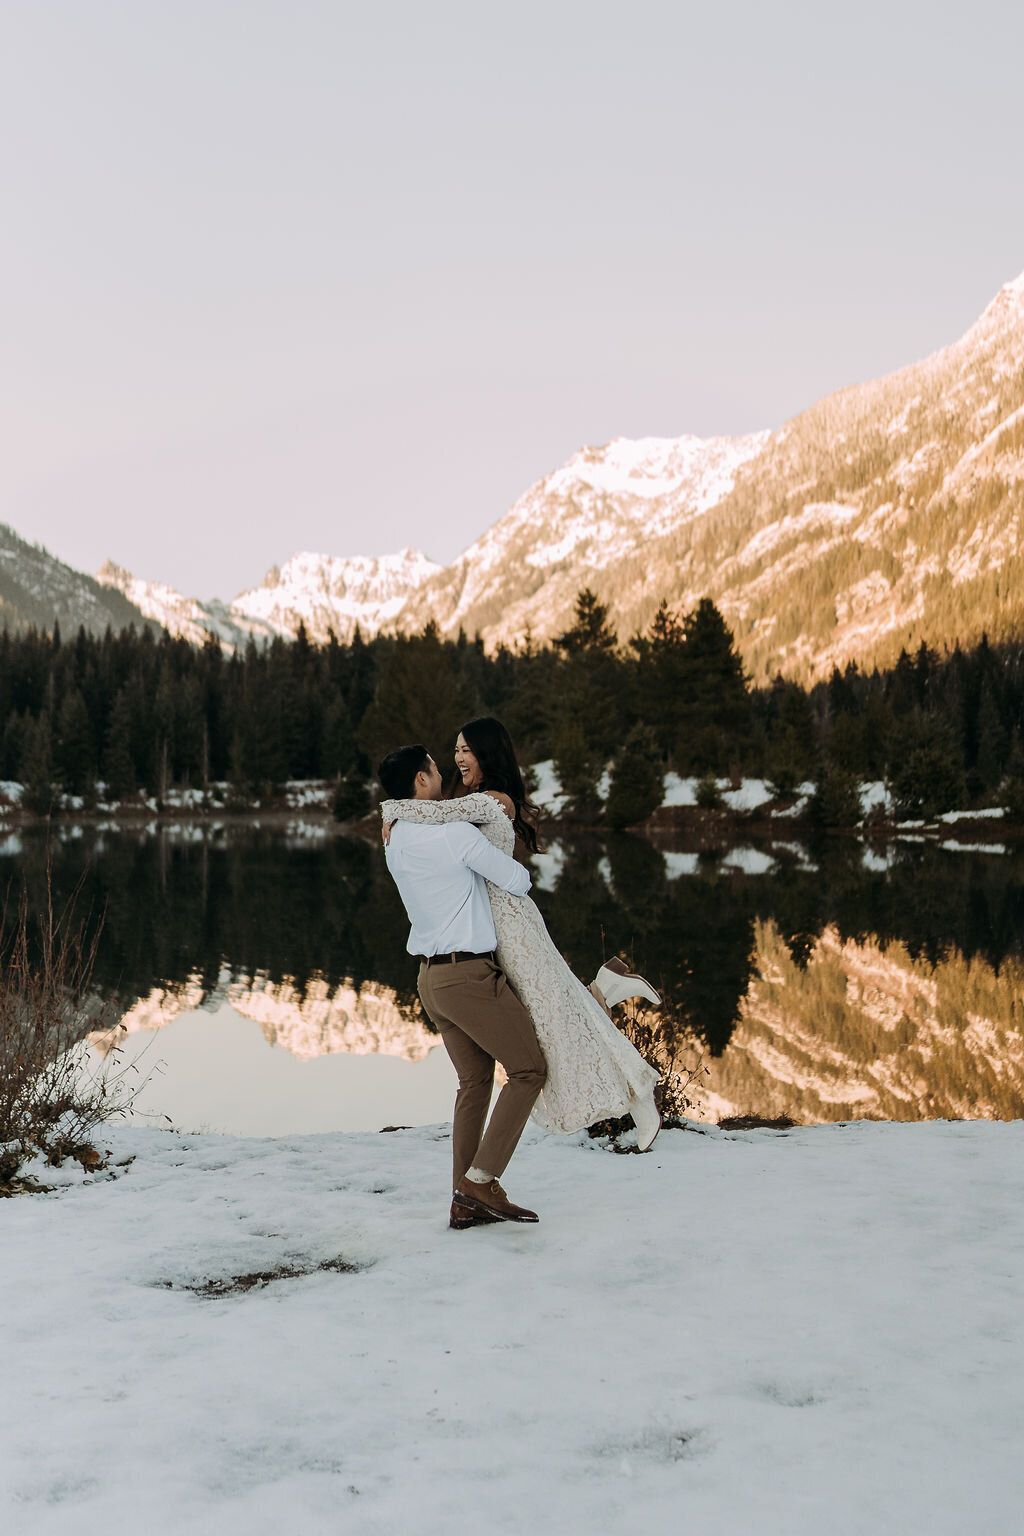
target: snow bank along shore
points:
(811, 1331)
(310, 801)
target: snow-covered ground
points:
(547, 791)
(992, 813)
(298, 794)
(955, 846)
(811, 1332)
(750, 794)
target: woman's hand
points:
(385, 832)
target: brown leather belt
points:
(455, 956)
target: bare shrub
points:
(51, 1101)
(676, 1053)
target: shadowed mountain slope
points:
(38, 589)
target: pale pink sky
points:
(302, 275)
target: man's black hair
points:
(398, 771)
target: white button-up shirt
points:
(440, 873)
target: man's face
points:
(429, 783)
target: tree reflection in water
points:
(187, 905)
(180, 906)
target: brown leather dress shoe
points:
(489, 1200)
(461, 1217)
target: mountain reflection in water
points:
(825, 984)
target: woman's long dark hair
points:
(492, 747)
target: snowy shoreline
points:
(748, 807)
(776, 1332)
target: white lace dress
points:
(593, 1071)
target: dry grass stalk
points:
(677, 1055)
(51, 1100)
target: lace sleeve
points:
(478, 809)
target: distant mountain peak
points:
(334, 593)
(1010, 293)
(1007, 308)
(600, 508)
(325, 593)
(881, 515)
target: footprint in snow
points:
(790, 1395)
(654, 1445)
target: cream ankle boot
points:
(615, 982)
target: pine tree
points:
(836, 800)
(74, 758)
(578, 769)
(187, 740)
(991, 754)
(637, 786)
(37, 767)
(706, 795)
(792, 749)
(660, 694)
(118, 763)
(590, 630)
(338, 746)
(926, 774)
(12, 746)
(713, 702)
(589, 692)
(532, 704)
(420, 698)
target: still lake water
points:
(262, 984)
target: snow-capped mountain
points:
(886, 514)
(186, 616)
(324, 592)
(36, 588)
(582, 520)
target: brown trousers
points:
(481, 1021)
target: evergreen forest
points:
(135, 712)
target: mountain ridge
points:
(885, 514)
(37, 589)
